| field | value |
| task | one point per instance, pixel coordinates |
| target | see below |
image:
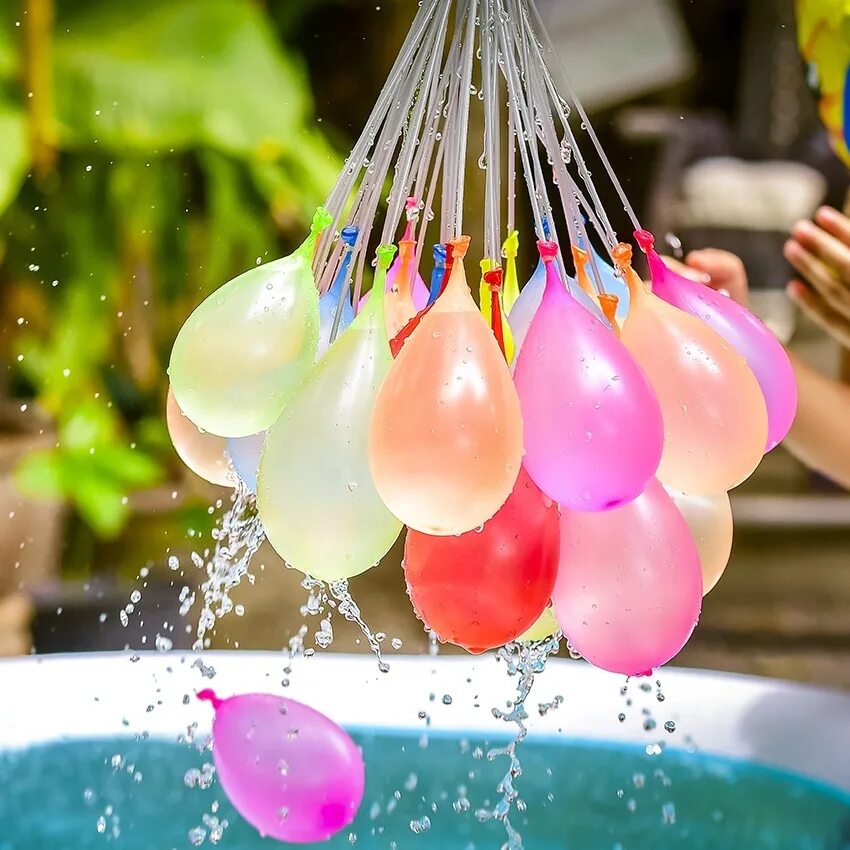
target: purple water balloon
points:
(746, 333)
(592, 424)
(291, 772)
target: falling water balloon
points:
(245, 455)
(629, 586)
(316, 497)
(291, 772)
(245, 348)
(205, 454)
(446, 438)
(715, 420)
(338, 298)
(593, 430)
(746, 333)
(710, 520)
(484, 588)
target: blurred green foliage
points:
(181, 150)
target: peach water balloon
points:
(291, 772)
(629, 587)
(710, 520)
(338, 298)
(446, 438)
(715, 419)
(746, 333)
(247, 346)
(245, 456)
(315, 494)
(593, 430)
(205, 454)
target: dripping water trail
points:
(525, 660)
(238, 535)
(351, 611)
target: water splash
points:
(238, 535)
(525, 660)
(351, 611)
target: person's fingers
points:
(826, 247)
(819, 275)
(834, 222)
(819, 311)
(726, 271)
(686, 271)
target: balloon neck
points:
(581, 259)
(622, 257)
(659, 274)
(209, 695)
(459, 247)
(403, 282)
(412, 212)
(548, 251)
(510, 247)
(493, 283)
(609, 303)
(385, 255)
(322, 219)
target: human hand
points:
(721, 270)
(820, 251)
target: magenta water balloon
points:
(745, 332)
(592, 425)
(291, 772)
(629, 587)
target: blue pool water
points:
(579, 795)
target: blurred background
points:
(152, 150)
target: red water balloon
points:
(482, 589)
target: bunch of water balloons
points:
(560, 456)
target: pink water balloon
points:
(592, 426)
(629, 588)
(291, 772)
(746, 333)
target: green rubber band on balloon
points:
(375, 303)
(322, 219)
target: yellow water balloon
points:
(316, 497)
(246, 347)
(710, 520)
(546, 626)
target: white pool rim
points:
(773, 723)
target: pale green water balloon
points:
(315, 493)
(248, 345)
